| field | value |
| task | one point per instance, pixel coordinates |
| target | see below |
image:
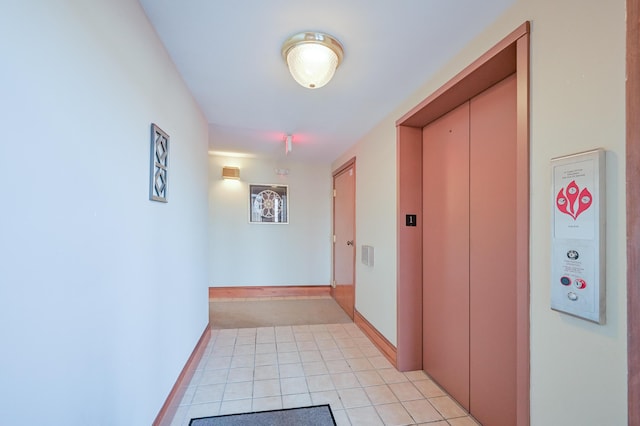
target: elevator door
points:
(492, 223)
(469, 250)
(445, 266)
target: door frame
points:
(351, 163)
(509, 56)
(633, 209)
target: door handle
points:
(350, 243)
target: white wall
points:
(244, 254)
(102, 292)
(578, 369)
(376, 203)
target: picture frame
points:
(268, 204)
(159, 176)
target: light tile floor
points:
(257, 369)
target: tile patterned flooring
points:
(258, 369)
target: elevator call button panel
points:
(578, 235)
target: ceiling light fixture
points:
(312, 58)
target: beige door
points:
(344, 208)
(469, 246)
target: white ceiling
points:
(228, 52)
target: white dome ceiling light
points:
(312, 58)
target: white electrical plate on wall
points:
(578, 235)
(367, 255)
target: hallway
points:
(267, 368)
(121, 280)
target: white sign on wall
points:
(578, 235)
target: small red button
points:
(580, 283)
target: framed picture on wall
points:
(268, 204)
(159, 164)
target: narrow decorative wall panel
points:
(159, 164)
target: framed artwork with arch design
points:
(268, 204)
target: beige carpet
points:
(252, 313)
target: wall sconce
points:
(232, 173)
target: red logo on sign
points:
(573, 201)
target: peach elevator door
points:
(469, 245)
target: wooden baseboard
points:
(387, 349)
(278, 291)
(170, 406)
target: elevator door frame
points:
(509, 56)
(633, 210)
